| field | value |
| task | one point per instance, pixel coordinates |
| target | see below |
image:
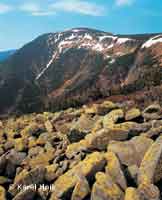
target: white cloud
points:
(40, 8)
(42, 13)
(4, 8)
(78, 6)
(124, 2)
(30, 7)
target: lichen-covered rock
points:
(150, 168)
(111, 118)
(101, 138)
(132, 114)
(33, 129)
(84, 124)
(148, 192)
(131, 194)
(100, 109)
(104, 188)
(153, 132)
(130, 152)
(81, 189)
(48, 126)
(26, 178)
(41, 159)
(114, 169)
(51, 172)
(20, 144)
(2, 193)
(88, 167)
(28, 194)
(152, 112)
(97, 141)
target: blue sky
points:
(23, 20)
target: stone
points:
(32, 129)
(35, 176)
(88, 167)
(114, 169)
(48, 126)
(81, 189)
(14, 159)
(84, 124)
(42, 159)
(75, 135)
(150, 169)
(20, 144)
(100, 139)
(28, 194)
(132, 114)
(2, 193)
(131, 152)
(148, 192)
(96, 141)
(153, 132)
(100, 109)
(111, 118)
(51, 172)
(152, 112)
(3, 163)
(104, 188)
(131, 194)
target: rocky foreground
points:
(98, 152)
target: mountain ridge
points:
(78, 65)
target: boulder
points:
(96, 141)
(132, 114)
(51, 172)
(113, 117)
(150, 168)
(131, 194)
(88, 168)
(81, 189)
(2, 193)
(26, 178)
(100, 109)
(153, 132)
(14, 159)
(148, 191)
(114, 169)
(28, 194)
(104, 188)
(131, 152)
(152, 112)
(20, 144)
(48, 126)
(75, 135)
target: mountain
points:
(6, 54)
(63, 69)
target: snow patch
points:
(73, 36)
(107, 37)
(152, 41)
(88, 36)
(47, 66)
(122, 40)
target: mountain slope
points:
(6, 54)
(78, 65)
